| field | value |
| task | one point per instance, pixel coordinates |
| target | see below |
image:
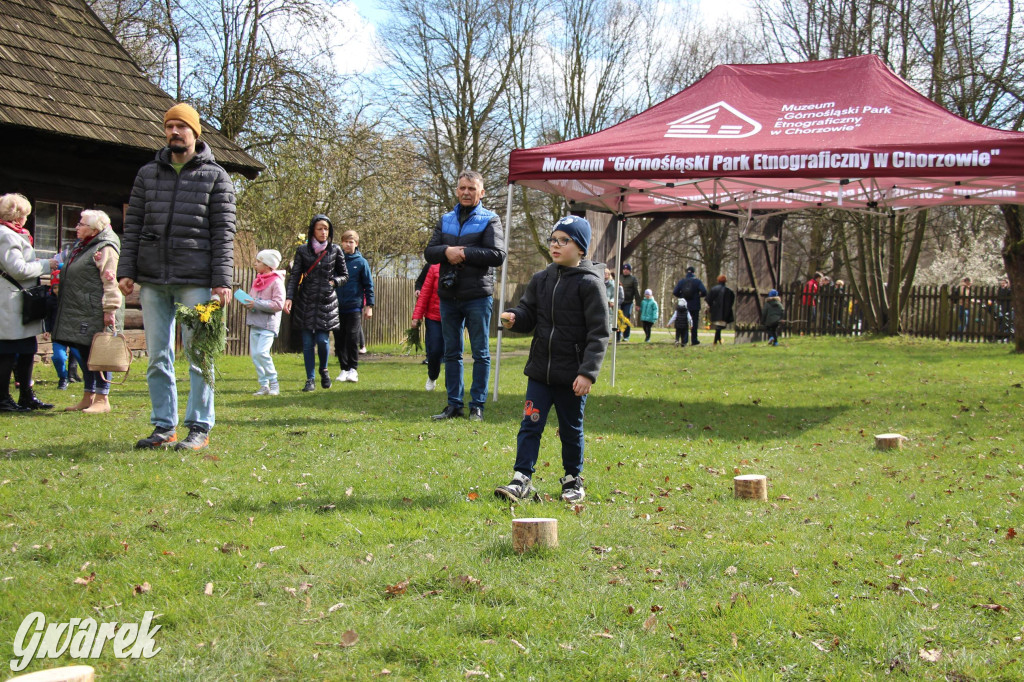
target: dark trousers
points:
(21, 364)
(773, 330)
(540, 397)
(681, 333)
(433, 342)
(346, 339)
(647, 330)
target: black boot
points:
(29, 401)
(7, 404)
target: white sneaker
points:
(264, 390)
(362, 350)
(431, 383)
(353, 376)
(274, 388)
(343, 376)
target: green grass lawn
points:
(348, 516)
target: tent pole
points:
(620, 221)
(501, 296)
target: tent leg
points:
(501, 296)
(620, 233)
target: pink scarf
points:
(19, 229)
(318, 246)
(264, 280)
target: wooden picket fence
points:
(933, 312)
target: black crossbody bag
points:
(33, 300)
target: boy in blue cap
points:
(566, 308)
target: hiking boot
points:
(29, 400)
(8, 405)
(449, 412)
(325, 378)
(476, 414)
(197, 439)
(264, 390)
(310, 386)
(572, 488)
(274, 388)
(160, 436)
(519, 490)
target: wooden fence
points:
(934, 312)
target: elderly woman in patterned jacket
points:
(89, 301)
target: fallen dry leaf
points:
(1010, 534)
(396, 589)
(142, 589)
(651, 621)
(348, 638)
(930, 655)
(518, 644)
(335, 607)
(467, 582)
(990, 607)
(274, 549)
(601, 550)
(88, 579)
(209, 590)
(605, 635)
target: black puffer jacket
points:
(314, 302)
(180, 228)
(567, 310)
(720, 301)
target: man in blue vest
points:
(469, 244)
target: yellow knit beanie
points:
(184, 112)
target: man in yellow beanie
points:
(179, 233)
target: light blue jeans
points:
(260, 341)
(158, 318)
(473, 314)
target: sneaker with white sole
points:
(572, 488)
(274, 388)
(264, 390)
(431, 383)
(343, 376)
(518, 490)
(353, 376)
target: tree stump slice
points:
(889, 441)
(527, 533)
(71, 673)
(750, 487)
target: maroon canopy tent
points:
(842, 133)
(774, 138)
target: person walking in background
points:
(720, 302)
(318, 268)
(89, 302)
(962, 298)
(648, 313)
(355, 302)
(613, 299)
(265, 304)
(179, 241)
(692, 289)
(565, 306)
(20, 269)
(772, 316)
(630, 294)
(468, 243)
(62, 357)
(428, 310)
(681, 321)
(809, 299)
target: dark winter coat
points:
(773, 312)
(720, 301)
(630, 289)
(80, 303)
(479, 230)
(567, 311)
(179, 228)
(359, 287)
(692, 289)
(314, 301)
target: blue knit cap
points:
(578, 230)
(773, 292)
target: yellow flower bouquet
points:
(209, 335)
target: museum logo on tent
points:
(718, 120)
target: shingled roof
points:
(63, 72)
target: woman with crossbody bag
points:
(20, 270)
(317, 268)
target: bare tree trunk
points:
(1013, 259)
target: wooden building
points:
(78, 118)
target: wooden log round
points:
(750, 487)
(71, 673)
(527, 533)
(889, 441)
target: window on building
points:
(54, 226)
